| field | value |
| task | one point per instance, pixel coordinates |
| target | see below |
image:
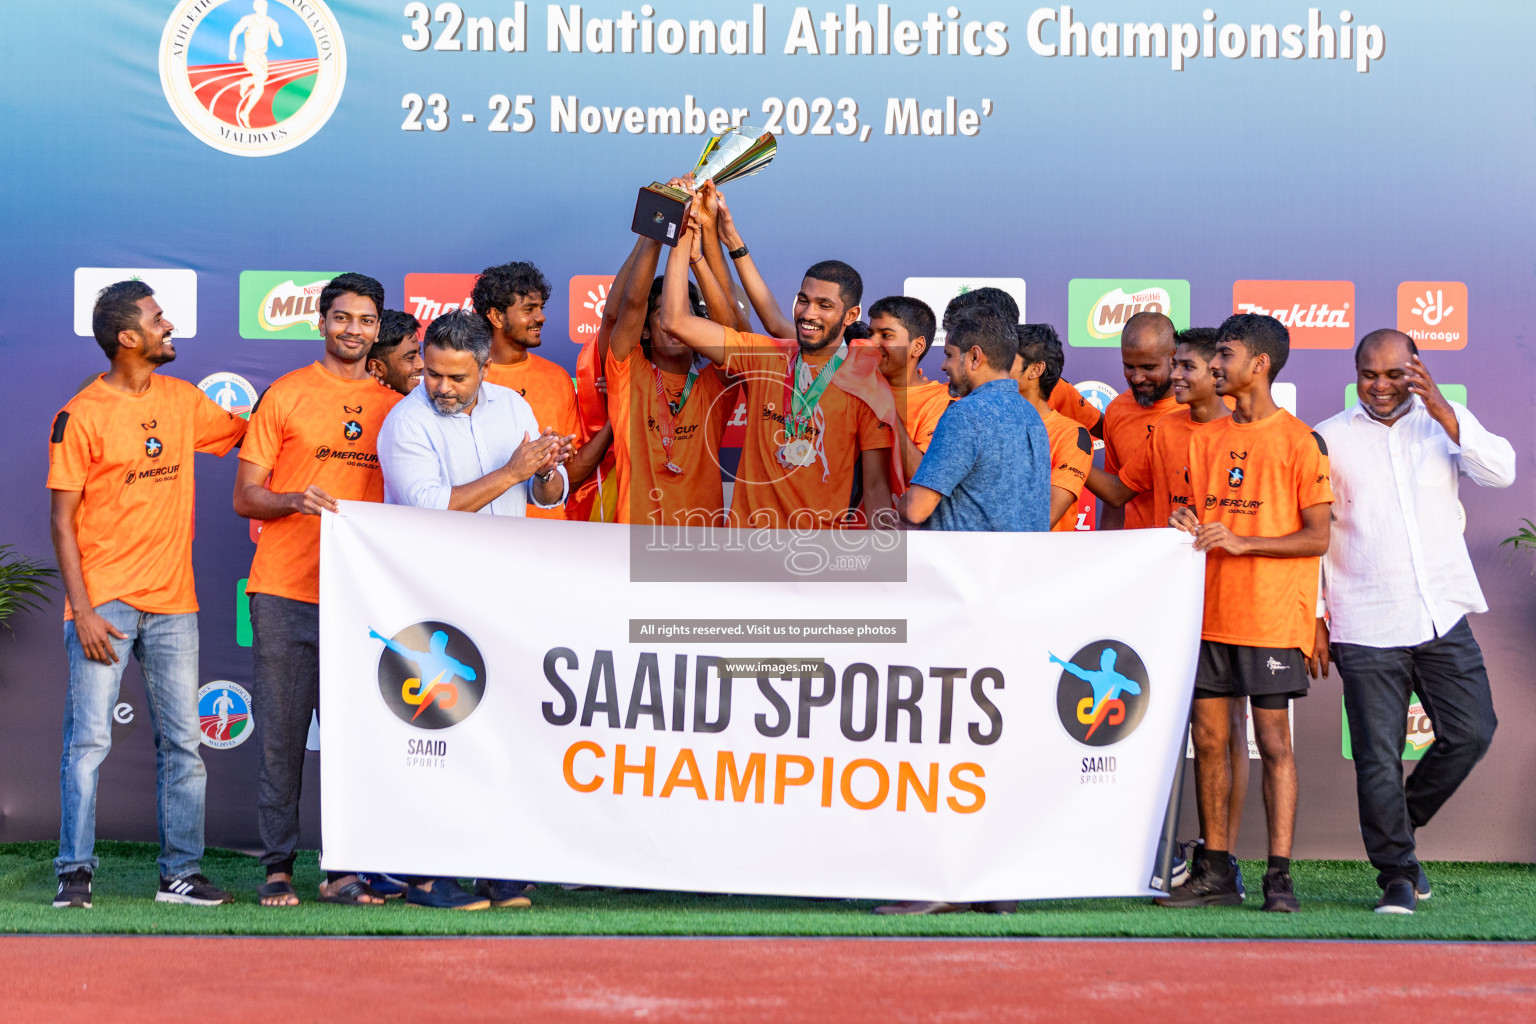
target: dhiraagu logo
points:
(281, 303)
(1097, 308)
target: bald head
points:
(1386, 342)
(1146, 355)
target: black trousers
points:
(1448, 675)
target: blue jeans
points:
(166, 646)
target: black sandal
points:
(267, 890)
(350, 895)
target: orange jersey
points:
(130, 457)
(1068, 401)
(1127, 428)
(592, 501)
(648, 491)
(1071, 457)
(552, 394)
(770, 494)
(312, 427)
(1256, 478)
(1161, 468)
(920, 407)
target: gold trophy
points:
(726, 157)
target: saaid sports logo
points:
(252, 77)
(224, 714)
(431, 674)
(1102, 694)
(352, 429)
(153, 447)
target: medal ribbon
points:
(800, 407)
(666, 409)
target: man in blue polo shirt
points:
(988, 466)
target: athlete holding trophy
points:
(816, 408)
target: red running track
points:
(61, 980)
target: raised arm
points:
(703, 336)
(720, 307)
(614, 302)
(708, 209)
(763, 303)
(629, 308)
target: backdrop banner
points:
(535, 714)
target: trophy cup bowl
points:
(734, 154)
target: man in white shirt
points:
(1398, 587)
(458, 442)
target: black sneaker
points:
(195, 890)
(1237, 872)
(1421, 889)
(74, 889)
(1279, 893)
(502, 892)
(1397, 898)
(1204, 889)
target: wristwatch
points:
(737, 254)
(544, 478)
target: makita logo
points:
(1319, 314)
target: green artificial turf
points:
(1471, 901)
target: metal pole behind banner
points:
(1169, 843)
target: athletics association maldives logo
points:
(431, 675)
(230, 392)
(224, 714)
(252, 77)
(1102, 694)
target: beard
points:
(960, 385)
(162, 355)
(1397, 410)
(1149, 399)
(449, 405)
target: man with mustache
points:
(312, 441)
(120, 484)
(816, 407)
(1399, 588)
(1146, 355)
(461, 443)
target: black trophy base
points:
(659, 212)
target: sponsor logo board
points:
(429, 296)
(1433, 314)
(589, 294)
(1097, 308)
(1420, 732)
(175, 289)
(252, 77)
(1318, 314)
(938, 292)
(281, 303)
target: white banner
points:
(1004, 724)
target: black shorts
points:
(1230, 670)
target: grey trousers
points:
(286, 642)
